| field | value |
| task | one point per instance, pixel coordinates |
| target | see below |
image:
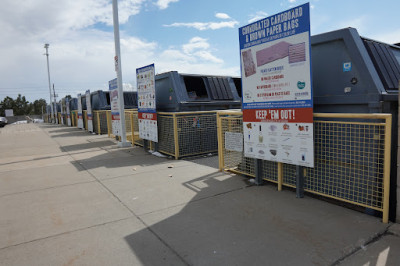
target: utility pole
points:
(46, 46)
(55, 105)
(123, 142)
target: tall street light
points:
(46, 46)
(123, 142)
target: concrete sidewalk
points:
(68, 197)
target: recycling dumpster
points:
(354, 74)
(183, 92)
(186, 106)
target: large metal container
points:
(183, 92)
(354, 74)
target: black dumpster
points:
(183, 92)
(354, 74)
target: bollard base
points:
(121, 144)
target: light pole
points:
(46, 46)
(123, 142)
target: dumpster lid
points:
(386, 60)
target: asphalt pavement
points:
(68, 197)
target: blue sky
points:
(198, 37)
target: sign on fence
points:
(277, 90)
(233, 141)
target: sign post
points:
(277, 88)
(147, 111)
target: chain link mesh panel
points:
(197, 133)
(234, 160)
(349, 162)
(349, 158)
(166, 140)
(138, 140)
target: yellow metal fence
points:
(179, 134)
(352, 158)
(187, 133)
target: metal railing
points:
(352, 158)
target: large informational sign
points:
(68, 112)
(277, 89)
(89, 112)
(147, 113)
(115, 118)
(80, 114)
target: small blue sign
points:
(347, 67)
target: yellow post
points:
(109, 125)
(386, 169)
(86, 120)
(132, 128)
(98, 122)
(280, 176)
(176, 137)
(220, 143)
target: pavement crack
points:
(374, 239)
(64, 233)
(47, 188)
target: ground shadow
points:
(256, 225)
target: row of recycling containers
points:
(370, 86)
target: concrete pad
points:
(86, 145)
(98, 155)
(385, 251)
(169, 187)
(18, 141)
(31, 162)
(33, 215)
(99, 245)
(262, 226)
(109, 167)
(395, 229)
(29, 179)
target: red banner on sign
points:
(290, 115)
(147, 116)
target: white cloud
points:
(222, 16)
(195, 43)
(43, 18)
(292, 1)
(163, 4)
(196, 53)
(81, 53)
(257, 16)
(205, 25)
(207, 56)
